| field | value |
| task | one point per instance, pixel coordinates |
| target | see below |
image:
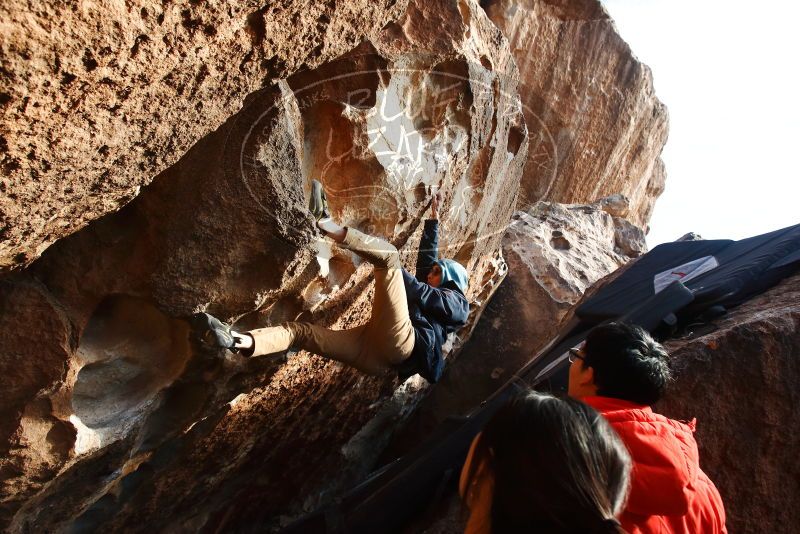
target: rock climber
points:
(411, 315)
(621, 371)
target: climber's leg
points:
(332, 229)
(389, 336)
(341, 345)
(373, 249)
(271, 340)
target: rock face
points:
(597, 128)
(554, 253)
(156, 161)
(740, 382)
(98, 99)
(113, 419)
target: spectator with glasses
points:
(621, 371)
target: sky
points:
(728, 73)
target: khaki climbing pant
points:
(386, 340)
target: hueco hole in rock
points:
(157, 162)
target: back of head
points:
(628, 363)
(452, 271)
(558, 467)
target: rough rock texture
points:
(117, 422)
(156, 160)
(597, 128)
(554, 253)
(35, 435)
(741, 383)
(97, 98)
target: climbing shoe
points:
(213, 332)
(318, 203)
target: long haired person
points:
(545, 465)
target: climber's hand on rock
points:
(435, 205)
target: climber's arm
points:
(429, 244)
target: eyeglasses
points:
(573, 354)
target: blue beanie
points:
(452, 270)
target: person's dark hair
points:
(628, 364)
(558, 467)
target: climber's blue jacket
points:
(435, 312)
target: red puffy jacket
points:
(669, 491)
